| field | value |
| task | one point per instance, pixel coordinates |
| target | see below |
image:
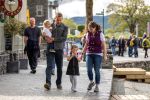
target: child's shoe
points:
(51, 50)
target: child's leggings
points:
(73, 80)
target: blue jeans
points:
(50, 57)
(113, 50)
(93, 61)
(130, 51)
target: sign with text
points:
(8, 42)
(11, 7)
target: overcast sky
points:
(77, 7)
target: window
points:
(39, 10)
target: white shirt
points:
(47, 31)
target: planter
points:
(109, 63)
(23, 63)
(13, 67)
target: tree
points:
(89, 11)
(81, 28)
(70, 23)
(128, 14)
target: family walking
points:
(55, 35)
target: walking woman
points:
(94, 48)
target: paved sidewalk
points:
(26, 86)
(125, 58)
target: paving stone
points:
(26, 86)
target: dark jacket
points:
(121, 43)
(73, 67)
(59, 32)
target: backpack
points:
(144, 44)
(131, 43)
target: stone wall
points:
(3, 59)
(2, 41)
(32, 7)
(136, 64)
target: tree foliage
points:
(13, 26)
(70, 23)
(81, 28)
(128, 14)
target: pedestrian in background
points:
(32, 40)
(113, 44)
(135, 45)
(130, 46)
(121, 45)
(73, 67)
(95, 48)
(146, 45)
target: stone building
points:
(42, 9)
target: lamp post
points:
(102, 13)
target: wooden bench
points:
(129, 71)
(129, 97)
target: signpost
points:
(148, 28)
(102, 13)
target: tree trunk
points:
(132, 29)
(89, 12)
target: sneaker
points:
(59, 87)
(73, 90)
(51, 50)
(47, 86)
(53, 72)
(96, 89)
(33, 71)
(90, 86)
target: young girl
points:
(73, 67)
(47, 33)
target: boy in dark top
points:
(32, 40)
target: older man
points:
(32, 40)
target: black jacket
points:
(73, 67)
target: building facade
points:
(38, 10)
(42, 9)
(4, 57)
